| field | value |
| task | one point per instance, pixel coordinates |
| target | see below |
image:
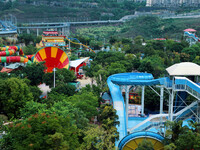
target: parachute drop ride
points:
(53, 57)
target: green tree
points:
(116, 67)
(14, 94)
(61, 75)
(152, 64)
(97, 138)
(62, 108)
(188, 140)
(96, 90)
(33, 72)
(174, 129)
(152, 100)
(145, 145)
(41, 131)
(36, 93)
(197, 60)
(30, 50)
(87, 102)
(95, 44)
(101, 76)
(67, 90)
(52, 98)
(38, 39)
(113, 40)
(26, 38)
(4, 75)
(170, 147)
(108, 117)
(138, 40)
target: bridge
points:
(6, 27)
(63, 27)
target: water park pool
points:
(133, 121)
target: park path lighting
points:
(54, 77)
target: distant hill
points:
(70, 10)
(146, 26)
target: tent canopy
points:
(190, 30)
(76, 63)
(184, 69)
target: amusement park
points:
(138, 93)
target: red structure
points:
(77, 64)
(134, 98)
(160, 39)
(53, 57)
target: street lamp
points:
(54, 77)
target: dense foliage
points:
(14, 94)
(181, 137)
(31, 10)
(72, 119)
(147, 26)
(41, 131)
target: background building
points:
(173, 3)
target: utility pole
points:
(54, 77)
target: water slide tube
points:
(10, 50)
(191, 36)
(80, 44)
(7, 50)
(118, 101)
(114, 83)
(132, 141)
(7, 53)
(13, 59)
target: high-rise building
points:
(173, 3)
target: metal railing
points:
(183, 85)
(149, 122)
(160, 119)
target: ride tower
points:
(183, 103)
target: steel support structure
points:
(161, 99)
(126, 103)
(198, 115)
(142, 98)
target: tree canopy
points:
(14, 94)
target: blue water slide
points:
(118, 104)
(142, 134)
(134, 79)
(191, 35)
(115, 81)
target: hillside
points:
(148, 27)
(76, 10)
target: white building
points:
(172, 3)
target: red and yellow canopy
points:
(54, 58)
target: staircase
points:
(184, 84)
(180, 84)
